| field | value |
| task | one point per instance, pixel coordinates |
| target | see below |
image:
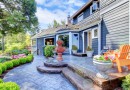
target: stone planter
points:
(89, 53)
(74, 51)
(102, 66)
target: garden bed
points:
(9, 65)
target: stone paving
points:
(30, 79)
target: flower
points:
(106, 58)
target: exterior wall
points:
(115, 26)
(95, 45)
(86, 13)
(104, 3)
(40, 44)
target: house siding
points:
(104, 3)
(95, 45)
(115, 26)
(40, 44)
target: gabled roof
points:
(81, 9)
(52, 31)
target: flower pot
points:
(89, 53)
(74, 51)
(102, 66)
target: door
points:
(89, 38)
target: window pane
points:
(80, 17)
(95, 33)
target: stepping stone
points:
(50, 70)
(78, 81)
(55, 64)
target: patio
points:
(29, 78)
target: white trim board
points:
(102, 11)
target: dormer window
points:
(80, 17)
(94, 6)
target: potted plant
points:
(89, 51)
(49, 53)
(74, 48)
(103, 63)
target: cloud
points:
(48, 10)
(46, 16)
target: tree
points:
(17, 16)
(56, 24)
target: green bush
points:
(9, 86)
(74, 47)
(9, 64)
(0, 70)
(3, 67)
(4, 59)
(25, 51)
(1, 81)
(49, 51)
(15, 62)
(22, 60)
(29, 59)
(126, 83)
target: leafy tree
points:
(56, 24)
(17, 16)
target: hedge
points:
(15, 62)
(8, 85)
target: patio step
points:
(55, 64)
(78, 81)
(50, 70)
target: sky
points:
(48, 10)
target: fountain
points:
(59, 49)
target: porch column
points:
(70, 42)
(57, 38)
(83, 42)
(99, 38)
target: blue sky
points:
(48, 10)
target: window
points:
(94, 7)
(80, 17)
(49, 41)
(95, 33)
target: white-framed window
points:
(95, 33)
(80, 17)
(94, 7)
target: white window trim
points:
(93, 33)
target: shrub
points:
(9, 86)
(49, 51)
(126, 83)
(9, 64)
(15, 62)
(74, 47)
(25, 51)
(1, 81)
(0, 72)
(22, 60)
(3, 67)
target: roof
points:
(52, 31)
(81, 9)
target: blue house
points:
(99, 24)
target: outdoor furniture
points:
(124, 58)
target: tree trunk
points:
(3, 48)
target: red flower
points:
(106, 58)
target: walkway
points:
(30, 79)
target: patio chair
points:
(124, 58)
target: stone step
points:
(113, 81)
(78, 81)
(55, 64)
(50, 70)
